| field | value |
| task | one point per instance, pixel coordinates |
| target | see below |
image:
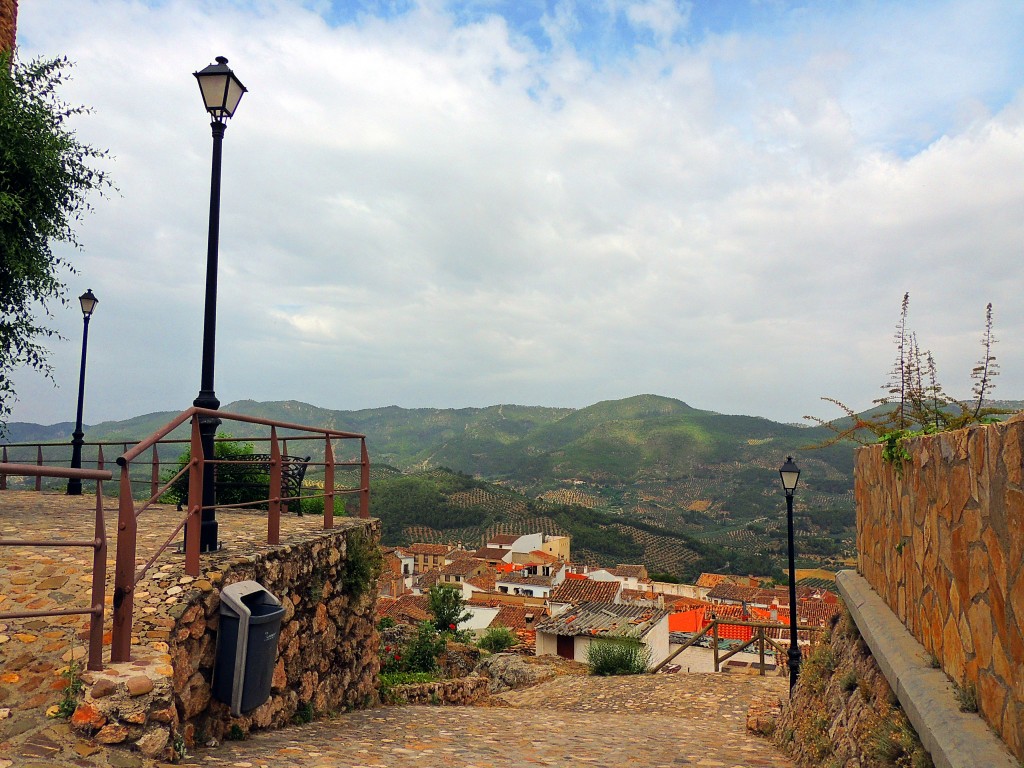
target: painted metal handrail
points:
(125, 574)
(98, 544)
(759, 638)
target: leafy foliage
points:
(363, 565)
(238, 483)
(618, 656)
(498, 639)
(446, 603)
(46, 176)
(422, 652)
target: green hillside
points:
(644, 460)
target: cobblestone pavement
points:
(665, 720)
(650, 721)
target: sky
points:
(435, 203)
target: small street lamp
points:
(88, 302)
(221, 93)
(790, 474)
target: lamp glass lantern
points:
(220, 88)
(790, 474)
(88, 302)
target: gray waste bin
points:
(250, 623)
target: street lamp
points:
(790, 474)
(221, 93)
(88, 302)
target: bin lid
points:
(242, 596)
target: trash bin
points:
(250, 623)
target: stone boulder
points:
(507, 671)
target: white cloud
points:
(422, 212)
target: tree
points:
(448, 606)
(46, 177)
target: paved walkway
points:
(658, 721)
(664, 720)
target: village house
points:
(570, 633)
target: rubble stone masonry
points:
(941, 539)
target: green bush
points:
(497, 639)
(618, 656)
(239, 483)
(446, 603)
(363, 564)
(422, 652)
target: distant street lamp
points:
(790, 474)
(88, 302)
(221, 93)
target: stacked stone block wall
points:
(327, 650)
(941, 539)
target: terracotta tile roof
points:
(736, 593)
(543, 558)
(460, 567)
(603, 619)
(532, 581)
(407, 609)
(514, 617)
(577, 591)
(630, 571)
(428, 579)
(484, 581)
(490, 553)
(429, 549)
(711, 579)
(506, 539)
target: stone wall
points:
(942, 541)
(843, 712)
(327, 649)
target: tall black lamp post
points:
(88, 302)
(221, 93)
(790, 474)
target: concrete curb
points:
(954, 739)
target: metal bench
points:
(293, 471)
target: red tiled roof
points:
(576, 591)
(407, 609)
(460, 567)
(508, 539)
(490, 553)
(429, 549)
(531, 581)
(544, 558)
(484, 581)
(711, 579)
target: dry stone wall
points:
(941, 539)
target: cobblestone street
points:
(664, 720)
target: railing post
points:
(39, 463)
(124, 570)
(99, 458)
(154, 482)
(274, 513)
(714, 640)
(99, 581)
(195, 501)
(3, 477)
(328, 485)
(364, 480)
(760, 646)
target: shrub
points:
(618, 656)
(448, 605)
(498, 639)
(848, 682)
(422, 652)
(238, 483)
(363, 564)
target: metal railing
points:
(759, 638)
(125, 575)
(145, 453)
(98, 544)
